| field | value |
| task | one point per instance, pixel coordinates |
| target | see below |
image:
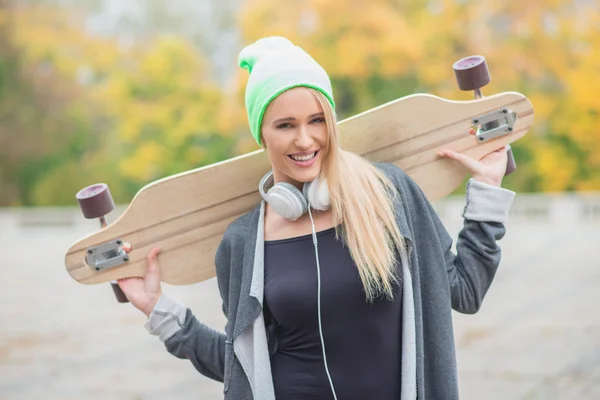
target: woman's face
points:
(294, 133)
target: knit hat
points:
(275, 65)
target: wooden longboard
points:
(187, 214)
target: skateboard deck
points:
(186, 214)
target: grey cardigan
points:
(435, 281)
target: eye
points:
(318, 120)
(284, 125)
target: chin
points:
(304, 176)
(301, 173)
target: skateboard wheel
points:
(511, 165)
(121, 298)
(471, 73)
(95, 201)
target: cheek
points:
(320, 129)
(278, 141)
(321, 134)
(274, 147)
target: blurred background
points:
(127, 92)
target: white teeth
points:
(304, 158)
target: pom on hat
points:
(275, 65)
(261, 49)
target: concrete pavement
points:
(537, 335)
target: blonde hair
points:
(362, 202)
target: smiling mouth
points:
(304, 158)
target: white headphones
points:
(291, 203)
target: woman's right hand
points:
(144, 292)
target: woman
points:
(340, 284)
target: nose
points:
(303, 138)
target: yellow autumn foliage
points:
(376, 51)
(157, 108)
(99, 109)
(143, 161)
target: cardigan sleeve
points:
(187, 338)
(472, 267)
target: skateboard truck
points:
(107, 255)
(96, 201)
(494, 124)
(472, 73)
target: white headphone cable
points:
(314, 236)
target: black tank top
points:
(362, 340)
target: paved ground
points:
(536, 337)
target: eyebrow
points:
(277, 121)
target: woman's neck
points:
(278, 227)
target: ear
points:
(263, 144)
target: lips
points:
(303, 157)
(306, 159)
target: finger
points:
(125, 282)
(154, 253)
(472, 165)
(152, 260)
(464, 160)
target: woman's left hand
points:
(490, 169)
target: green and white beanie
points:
(275, 65)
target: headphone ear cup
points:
(317, 194)
(287, 201)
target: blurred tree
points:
(91, 93)
(554, 61)
(8, 76)
(378, 50)
(124, 114)
(168, 115)
(42, 124)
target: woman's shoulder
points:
(392, 170)
(233, 240)
(403, 182)
(241, 227)
(413, 200)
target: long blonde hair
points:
(362, 201)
